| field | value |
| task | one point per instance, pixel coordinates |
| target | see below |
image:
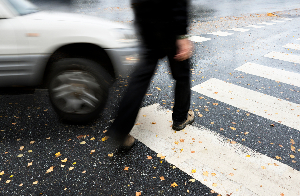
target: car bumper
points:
(124, 60)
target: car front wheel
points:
(78, 89)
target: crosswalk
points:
(227, 167)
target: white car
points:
(77, 56)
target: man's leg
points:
(132, 99)
(181, 73)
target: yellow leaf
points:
(92, 138)
(57, 154)
(233, 142)
(71, 168)
(22, 147)
(205, 173)
(110, 155)
(158, 88)
(293, 148)
(1, 173)
(29, 164)
(193, 170)
(181, 140)
(126, 168)
(83, 142)
(11, 176)
(176, 142)
(174, 184)
(263, 167)
(65, 160)
(292, 156)
(35, 182)
(162, 178)
(232, 128)
(213, 174)
(74, 163)
(292, 141)
(104, 139)
(50, 170)
(214, 184)
(247, 155)
(62, 165)
(277, 157)
(159, 155)
(8, 181)
(200, 115)
(92, 151)
(20, 155)
(31, 142)
(29, 151)
(192, 180)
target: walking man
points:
(162, 25)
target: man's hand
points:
(184, 49)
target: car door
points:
(13, 47)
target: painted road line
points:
(256, 26)
(271, 73)
(266, 23)
(221, 33)
(199, 39)
(292, 46)
(278, 110)
(284, 57)
(210, 158)
(239, 29)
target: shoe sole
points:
(180, 128)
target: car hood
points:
(74, 18)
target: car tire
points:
(78, 89)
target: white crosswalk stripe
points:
(226, 168)
(292, 46)
(257, 103)
(284, 57)
(271, 73)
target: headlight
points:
(125, 35)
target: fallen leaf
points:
(200, 115)
(247, 155)
(20, 155)
(215, 92)
(50, 170)
(277, 157)
(246, 133)
(92, 138)
(174, 185)
(221, 129)
(8, 181)
(29, 164)
(162, 178)
(233, 123)
(35, 182)
(48, 138)
(62, 165)
(104, 131)
(64, 160)
(31, 142)
(158, 88)
(21, 184)
(293, 148)
(153, 123)
(92, 151)
(159, 155)
(292, 156)
(29, 151)
(181, 140)
(176, 142)
(138, 193)
(231, 174)
(193, 170)
(292, 141)
(149, 157)
(214, 184)
(83, 142)
(126, 168)
(1, 173)
(74, 163)
(213, 174)
(192, 151)
(215, 104)
(233, 128)
(272, 125)
(57, 154)
(21, 148)
(110, 155)
(104, 139)
(192, 180)
(71, 168)
(83, 172)
(233, 142)
(263, 167)
(138, 124)
(247, 114)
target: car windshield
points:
(23, 7)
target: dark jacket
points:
(159, 22)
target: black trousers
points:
(138, 85)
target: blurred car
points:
(75, 56)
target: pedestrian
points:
(162, 25)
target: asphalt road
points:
(245, 139)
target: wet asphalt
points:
(40, 155)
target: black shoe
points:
(181, 125)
